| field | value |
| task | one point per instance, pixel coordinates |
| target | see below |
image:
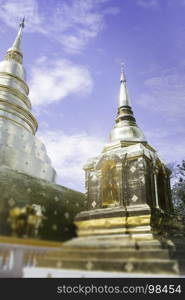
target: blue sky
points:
(72, 53)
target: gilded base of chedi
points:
(114, 241)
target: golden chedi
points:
(126, 181)
(31, 204)
(129, 225)
(19, 148)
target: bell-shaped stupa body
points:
(19, 148)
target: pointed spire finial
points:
(22, 24)
(123, 96)
(17, 43)
(122, 77)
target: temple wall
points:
(58, 205)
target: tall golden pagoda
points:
(19, 148)
(31, 204)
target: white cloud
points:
(69, 153)
(169, 144)
(163, 98)
(165, 94)
(12, 12)
(72, 23)
(52, 81)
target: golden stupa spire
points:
(125, 129)
(17, 43)
(123, 95)
(15, 51)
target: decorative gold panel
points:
(109, 183)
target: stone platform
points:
(119, 253)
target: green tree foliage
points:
(178, 187)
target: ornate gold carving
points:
(113, 225)
(109, 183)
(26, 221)
(103, 222)
(138, 220)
